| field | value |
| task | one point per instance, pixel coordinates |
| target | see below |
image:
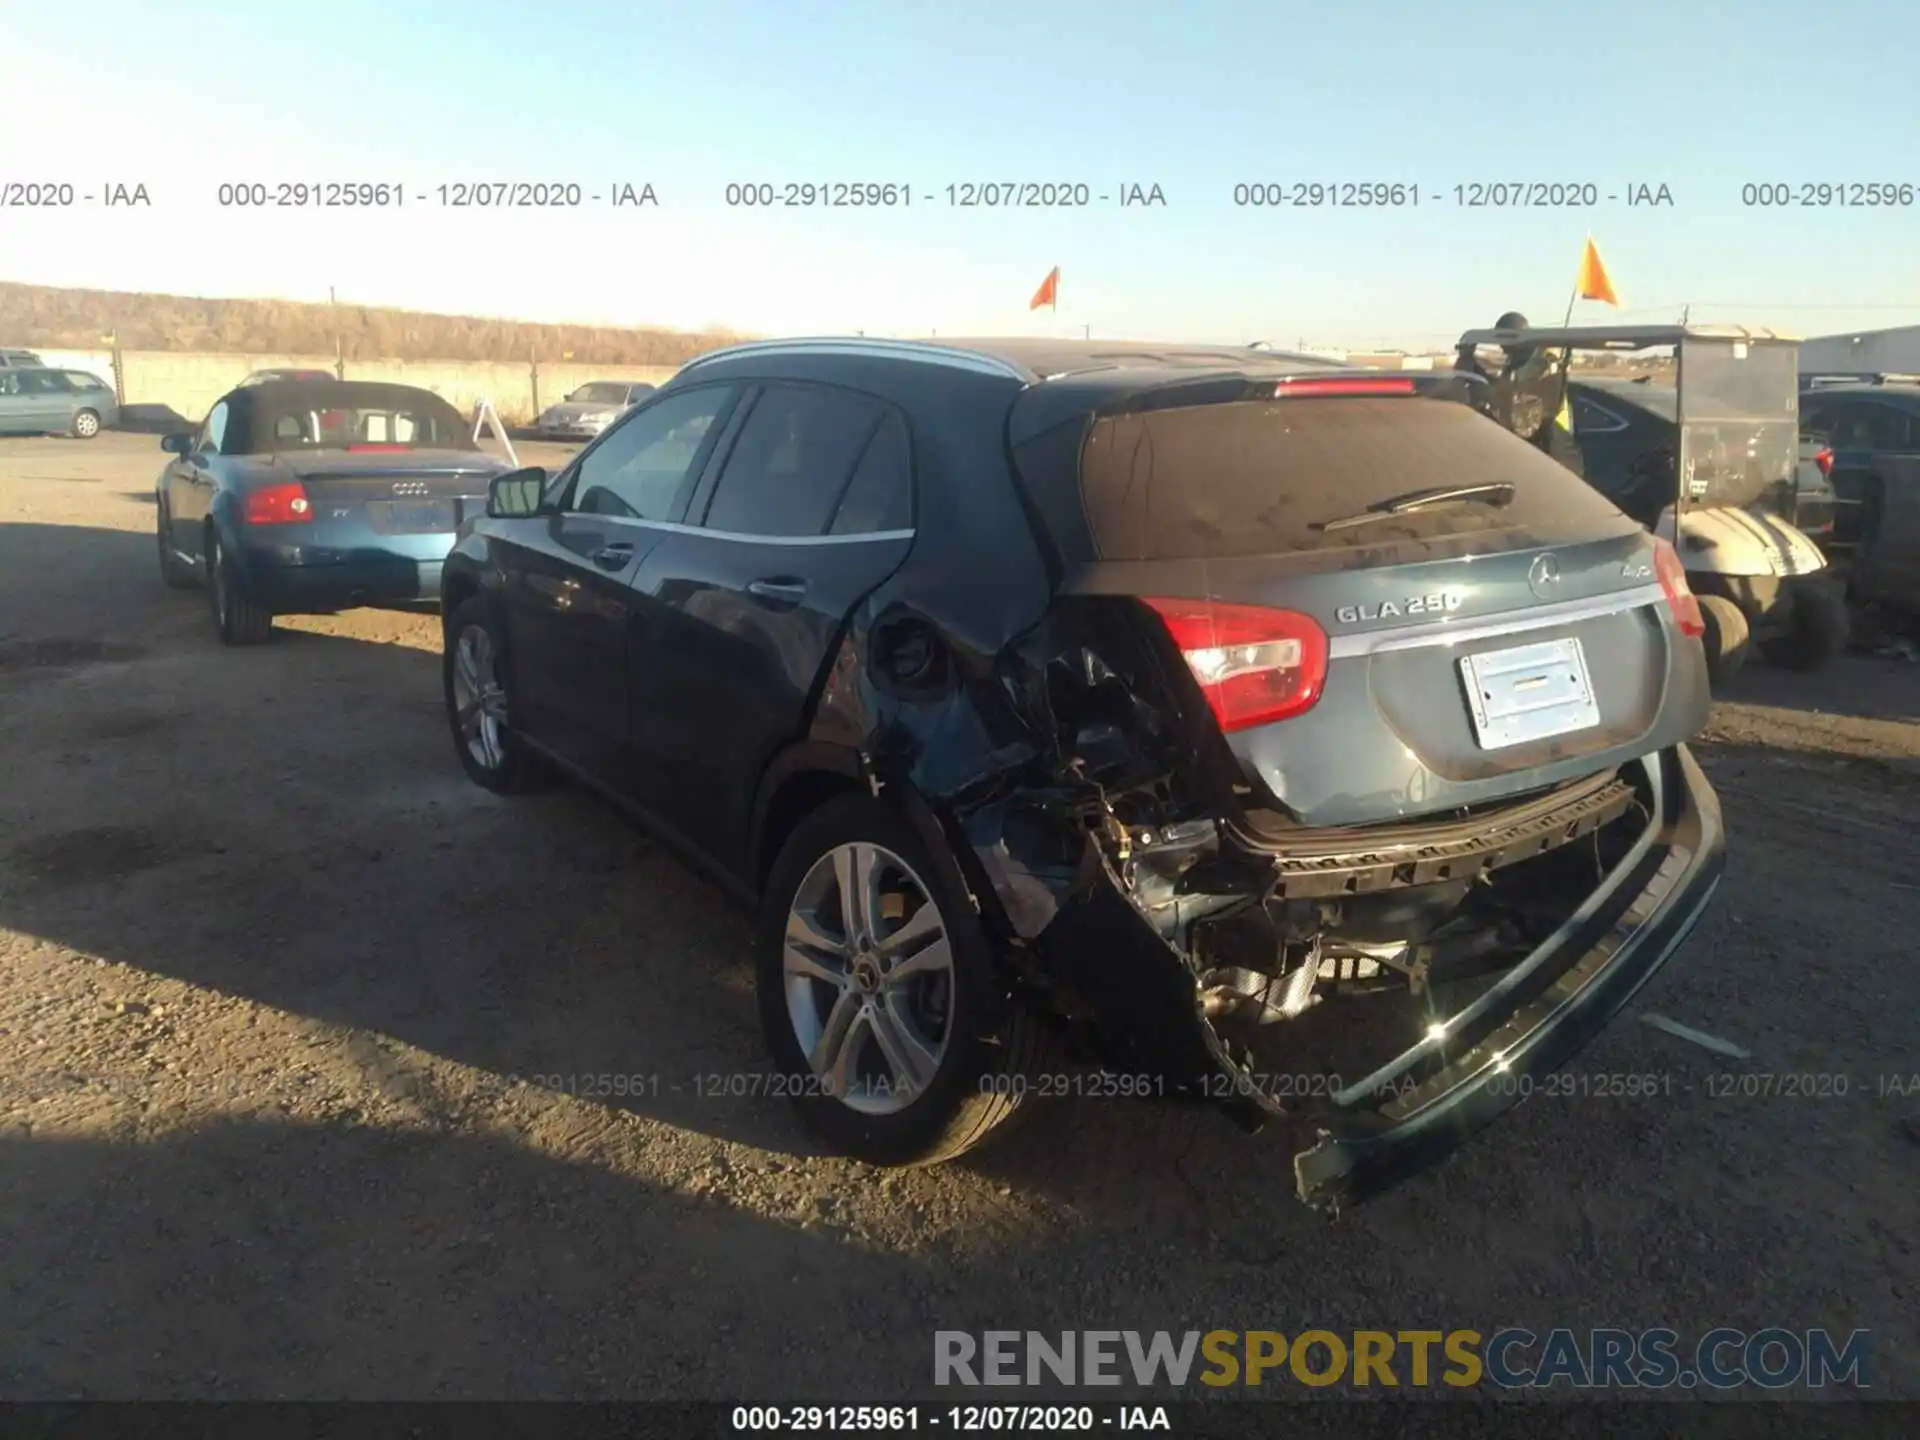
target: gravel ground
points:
(290, 1014)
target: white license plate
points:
(1529, 692)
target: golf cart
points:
(1710, 462)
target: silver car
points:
(590, 409)
(10, 358)
(41, 401)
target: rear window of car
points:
(600, 393)
(1263, 478)
(300, 418)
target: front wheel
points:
(879, 993)
(86, 424)
(1818, 626)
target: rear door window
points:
(879, 496)
(1264, 477)
(1869, 425)
(1590, 417)
(793, 461)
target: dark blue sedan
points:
(306, 497)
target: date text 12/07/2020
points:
(1336, 194)
(963, 195)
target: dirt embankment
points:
(54, 318)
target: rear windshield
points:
(1260, 478)
(344, 416)
(600, 393)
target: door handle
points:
(614, 556)
(782, 593)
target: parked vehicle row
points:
(1206, 713)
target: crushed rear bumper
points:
(1599, 959)
(1085, 935)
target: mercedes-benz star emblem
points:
(1543, 578)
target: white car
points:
(590, 409)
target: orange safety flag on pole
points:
(1593, 283)
(1049, 291)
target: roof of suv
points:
(1035, 360)
(1904, 395)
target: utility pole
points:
(339, 350)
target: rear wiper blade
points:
(1497, 494)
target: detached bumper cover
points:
(1090, 939)
(1598, 960)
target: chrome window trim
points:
(978, 361)
(670, 528)
(1564, 612)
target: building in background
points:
(1865, 351)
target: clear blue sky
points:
(1195, 96)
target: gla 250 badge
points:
(1443, 603)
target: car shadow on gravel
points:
(289, 823)
(1860, 687)
(254, 1258)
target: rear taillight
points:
(1253, 664)
(1304, 386)
(277, 505)
(1825, 461)
(1680, 597)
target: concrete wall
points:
(190, 382)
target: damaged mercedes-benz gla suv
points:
(1274, 734)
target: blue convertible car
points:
(304, 497)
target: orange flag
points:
(1593, 283)
(1049, 291)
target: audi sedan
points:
(303, 497)
(1222, 716)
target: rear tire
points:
(86, 424)
(1819, 626)
(238, 618)
(891, 982)
(1729, 639)
(475, 684)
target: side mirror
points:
(177, 444)
(519, 494)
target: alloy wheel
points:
(479, 699)
(869, 978)
(86, 425)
